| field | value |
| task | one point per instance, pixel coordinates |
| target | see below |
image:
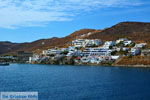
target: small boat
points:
(4, 64)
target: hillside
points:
(135, 60)
(42, 44)
(137, 31)
(6, 46)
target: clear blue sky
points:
(30, 20)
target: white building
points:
(86, 42)
(94, 42)
(125, 41)
(97, 52)
(51, 51)
(128, 42)
(79, 42)
(85, 59)
(96, 60)
(145, 52)
(115, 57)
(107, 44)
(135, 51)
(8, 57)
(121, 40)
(64, 49)
(140, 45)
(125, 49)
(75, 53)
(35, 57)
(72, 48)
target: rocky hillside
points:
(42, 44)
(6, 46)
(137, 31)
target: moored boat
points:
(4, 64)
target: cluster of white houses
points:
(86, 42)
(93, 50)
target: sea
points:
(68, 82)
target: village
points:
(84, 51)
(91, 51)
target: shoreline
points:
(115, 65)
(133, 66)
(105, 65)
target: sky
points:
(30, 20)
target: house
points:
(145, 52)
(8, 57)
(128, 42)
(115, 57)
(94, 42)
(121, 40)
(135, 51)
(117, 48)
(79, 42)
(85, 59)
(125, 49)
(64, 49)
(86, 42)
(140, 45)
(51, 51)
(105, 58)
(125, 41)
(72, 48)
(75, 53)
(108, 44)
(95, 60)
(34, 58)
(97, 52)
(24, 56)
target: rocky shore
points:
(138, 66)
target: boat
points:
(4, 63)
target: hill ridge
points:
(136, 31)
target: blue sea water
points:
(54, 82)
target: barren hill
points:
(137, 31)
(41, 44)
